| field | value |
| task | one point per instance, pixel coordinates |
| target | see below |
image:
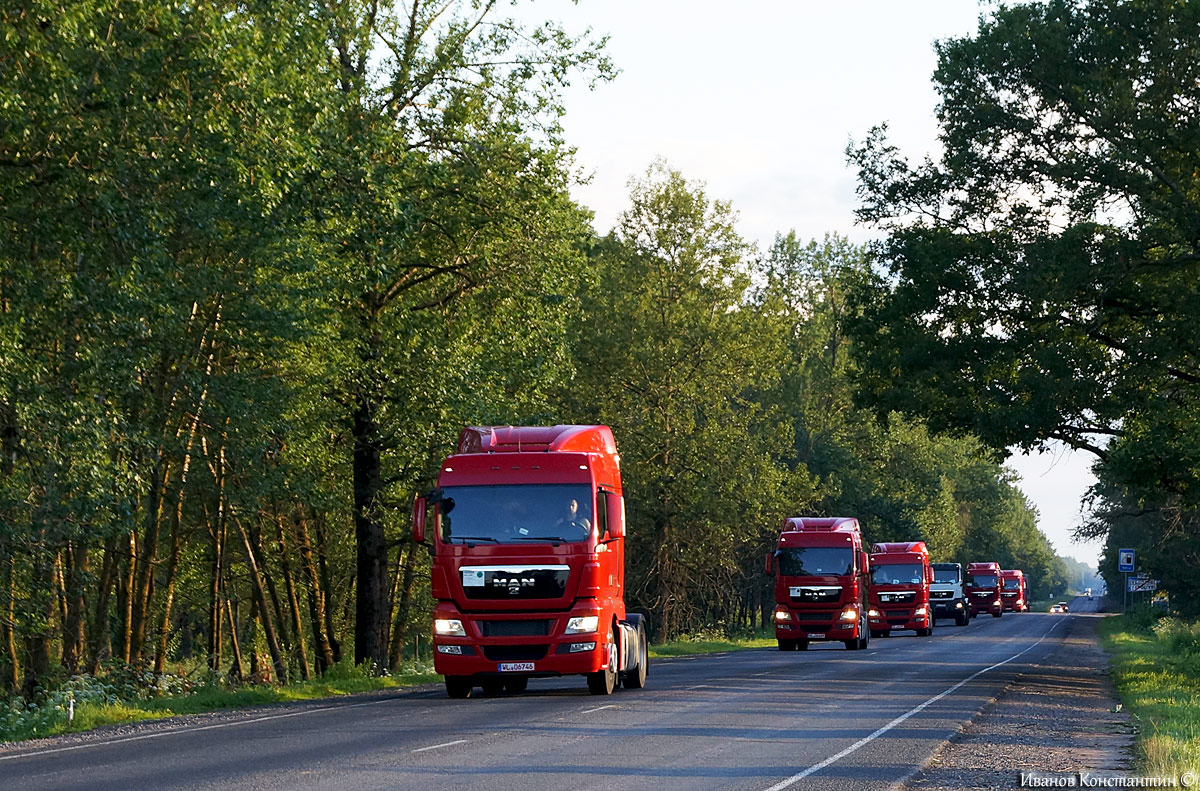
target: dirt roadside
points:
(1057, 716)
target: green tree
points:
(671, 355)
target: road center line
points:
(174, 731)
(872, 737)
(600, 708)
(699, 686)
(436, 746)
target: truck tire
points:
(998, 614)
(516, 684)
(962, 619)
(787, 645)
(635, 678)
(493, 687)
(801, 645)
(603, 682)
(864, 636)
(458, 686)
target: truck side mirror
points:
(418, 520)
(864, 563)
(615, 506)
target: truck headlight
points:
(920, 611)
(958, 605)
(783, 615)
(849, 614)
(581, 624)
(872, 613)
(449, 627)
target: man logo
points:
(514, 584)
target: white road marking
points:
(600, 708)
(436, 746)
(791, 781)
(699, 686)
(174, 731)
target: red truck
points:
(528, 540)
(1014, 590)
(900, 580)
(820, 571)
(983, 589)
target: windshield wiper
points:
(475, 538)
(541, 538)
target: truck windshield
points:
(896, 574)
(982, 580)
(1012, 584)
(517, 513)
(809, 561)
(945, 576)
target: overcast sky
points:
(759, 100)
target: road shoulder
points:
(1059, 715)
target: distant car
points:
(1057, 608)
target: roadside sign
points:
(1125, 560)
(1142, 585)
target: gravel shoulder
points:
(1059, 715)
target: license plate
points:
(816, 635)
(516, 667)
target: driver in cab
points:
(574, 519)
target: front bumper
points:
(815, 626)
(547, 654)
(948, 607)
(892, 619)
(982, 604)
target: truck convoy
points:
(820, 571)
(983, 589)
(946, 594)
(1013, 590)
(899, 590)
(527, 532)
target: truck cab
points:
(899, 595)
(1013, 590)
(820, 571)
(527, 533)
(983, 589)
(946, 594)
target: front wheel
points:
(997, 614)
(787, 645)
(603, 682)
(458, 686)
(636, 678)
(961, 619)
(516, 684)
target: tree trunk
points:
(144, 585)
(370, 613)
(8, 632)
(37, 642)
(99, 637)
(74, 624)
(327, 589)
(125, 598)
(164, 626)
(293, 600)
(400, 628)
(264, 613)
(238, 669)
(316, 599)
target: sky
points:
(759, 100)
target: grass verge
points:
(94, 711)
(708, 645)
(1156, 670)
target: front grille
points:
(815, 594)
(941, 594)
(514, 583)
(897, 621)
(804, 617)
(522, 628)
(515, 653)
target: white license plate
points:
(516, 667)
(816, 635)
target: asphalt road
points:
(826, 718)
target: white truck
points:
(946, 593)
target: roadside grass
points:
(1156, 670)
(96, 704)
(709, 644)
